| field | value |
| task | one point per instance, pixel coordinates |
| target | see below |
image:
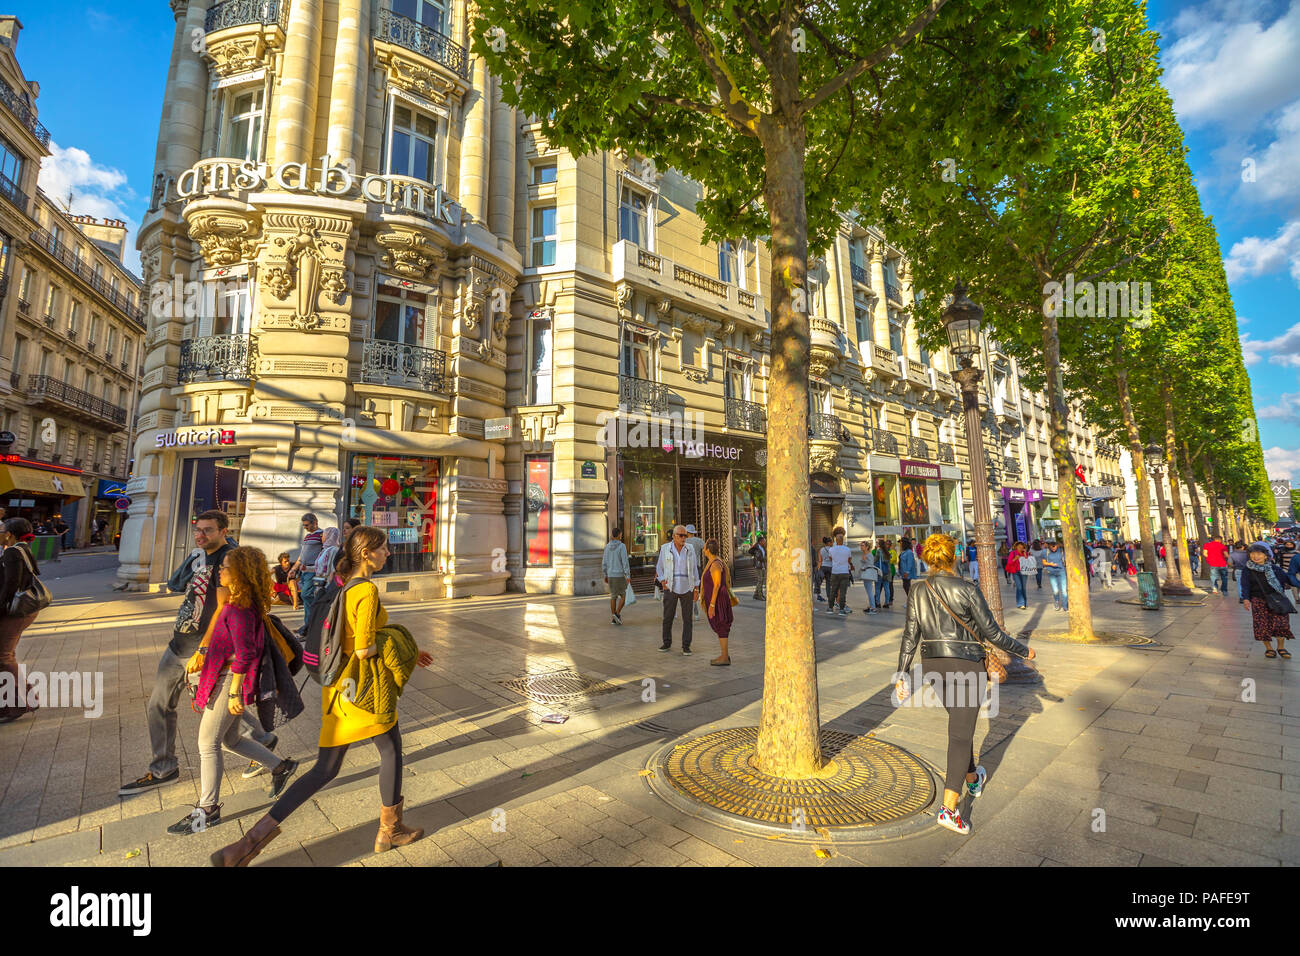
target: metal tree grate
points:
(559, 687)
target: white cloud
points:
(1287, 408)
(96, 190)
(1254, 256)
(1251, 350)
(1228, 66)
(1282, 461)
(1277, 173)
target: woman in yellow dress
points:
(342, 723)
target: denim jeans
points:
(873, 592)
(307, 588)
(1059, 592)
(1021, 599)
(1038, 577)
(1219, 579)
(885, 586)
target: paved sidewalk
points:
(1122, 756)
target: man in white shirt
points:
(678, 573)
(841, 572)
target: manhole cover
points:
(559, 687)
(872, 782)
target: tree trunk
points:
(1216, 514)
(789, 731)
(1176, 493)
(1202, 535)
(1145, 531)
(1076, 567)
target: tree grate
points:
(559, 687)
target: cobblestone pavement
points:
(1128, 756)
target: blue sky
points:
(1233, 67)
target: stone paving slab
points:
(1186, 770)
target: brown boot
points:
(242, 851)
(391, 831)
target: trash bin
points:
(1148, 590)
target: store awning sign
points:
(108, 488)
(173, 438)
(917, 469)
(1022, 494)
(496, 428)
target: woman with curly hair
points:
(343, 722)
(227, 663)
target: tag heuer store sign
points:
(496, 429)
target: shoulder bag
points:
(996, 670)
(32, 599)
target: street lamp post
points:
(1155, 457)
(961, 319)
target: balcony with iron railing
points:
(10, 191)
(426, 41)
(238, 13)
(639, 393)
(746, 415)
(884, 442)
(893, 293)
(23, 113)
(65, 255)
(1011, 465)
(45, 389)
(216, 358)
(659, 275)
(860, 274)
(918, 448)
(947, 454)
(49, 320)
(402, 365)
(823, 426)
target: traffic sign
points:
(7, 439)
(122, 503)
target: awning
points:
(33, 481)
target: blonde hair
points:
(939, 552)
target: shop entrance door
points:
(823, 520)
(706, 504)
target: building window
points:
(399, 495)
(51, 301)
(819, 397)
(816, 297)
(633, 218)
(862, 319)
(242, 135)
(93, 335)
(25, 285)
(126, 351)
(399, 315)
(543, 236)
(544, 173)
(232, 307)
(111, 345)
(426, 12)
(537, 512)
(895, 335)
(11, 163)
(692, 353)
(638, 355)
(925, 356)
(414, 149)
(727, 262)
(74, 318)
(540, 360)
(739, 379)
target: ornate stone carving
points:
(500, 328)
(694, 375)
(278, 282)
(408, 253)
(623, 300)
(239, 55)
(414, 78)
(224, 237)
(306, 248)
(824, 458)
(470, 316)
(665, 309)
(335, 286)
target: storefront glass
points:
(885, 495)
(208, 483)
(399, 495)
(916, 505)
(750, 494)
(949, 502)
(537, 512)
(649, 508)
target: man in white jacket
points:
(678, 573)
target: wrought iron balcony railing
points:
(235, 13)
(750, 416)
(9, 189)
(1010, 465)
(216, 357)
(24, 113)
(947, 454)
(823, 426)
(918, 448)
(48, 388)
(24, 307)
(416, 37)
(860, 274)
(59, 250)
(894, 293)
(408, 366)
(49, 320)
(640, 393)
(884, 442)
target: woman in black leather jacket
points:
(947, 617)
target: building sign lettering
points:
(204, 436)
(917, 469)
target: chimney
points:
(10, 27)
(110, 235)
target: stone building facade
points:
(71, 335)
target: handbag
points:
(32, 599)
(994, 667)
(1278, 603)
(629, 596)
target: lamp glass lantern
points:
(962, 320)
(1155, 455)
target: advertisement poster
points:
(916, 506)
(537, 515)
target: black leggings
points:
(328, 763)
(958, 684)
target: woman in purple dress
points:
(715, 597)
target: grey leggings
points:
(220, 728)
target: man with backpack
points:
(198, 608)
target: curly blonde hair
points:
(250, 579)
(939, 552)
